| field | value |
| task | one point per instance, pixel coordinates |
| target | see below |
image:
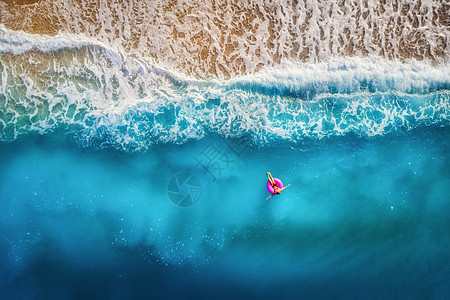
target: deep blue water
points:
(363, 217)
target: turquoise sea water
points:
(121, 178)
(364, 218)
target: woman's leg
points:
(272, 182)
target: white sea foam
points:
(347, 76)
(19, 42)
(111, 99)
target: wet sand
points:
(225, 38)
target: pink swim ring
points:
(270, 188)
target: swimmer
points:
(276, 188)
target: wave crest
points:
(110, 99)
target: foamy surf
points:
(107, 97)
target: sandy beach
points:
(225, 38)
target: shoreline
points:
(222, 40)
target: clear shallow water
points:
(363, 217)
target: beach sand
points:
(20, 2)
(225, 38)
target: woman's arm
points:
(285, 187)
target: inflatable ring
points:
(270, 188)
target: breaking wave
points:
(110, 99)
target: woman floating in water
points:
(274, 185)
